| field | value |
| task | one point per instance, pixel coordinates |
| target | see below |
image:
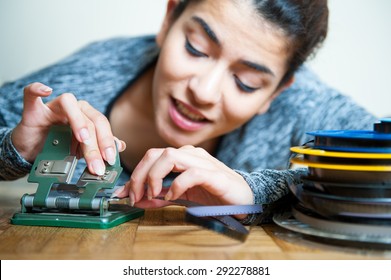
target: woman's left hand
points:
(202, 179)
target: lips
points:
(185, 117)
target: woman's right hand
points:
(93, 138)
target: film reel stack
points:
(346, 194)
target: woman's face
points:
(220, 65)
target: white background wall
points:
(356, 58)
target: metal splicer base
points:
(86, 204)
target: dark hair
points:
(304, 23)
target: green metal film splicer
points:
(57, 202)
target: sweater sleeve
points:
(12, 165)
(268, 185)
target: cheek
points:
(166, 75)
(169, 78)
(238, 112)
(173, 65)
(241, 107)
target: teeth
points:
(187, 113)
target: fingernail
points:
(117, 191)
(131, 198)
(98, 167)
(168, 195)
(45, 89)
(85, 136)
(149, 194)
(110, 155)
(121, 145)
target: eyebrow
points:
(212, 35)
(258, 67)
(207, 29)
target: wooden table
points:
(159, 234)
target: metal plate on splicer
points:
(108, 178)
(62, 170)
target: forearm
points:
(12, 165)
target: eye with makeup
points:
(196, 53)
(192, 50)
(242, 86)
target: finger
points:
(170, 160)
(33, 91)
(92, 153)
(125, 191)
(119, 192)
(154, 203)
(66, 106)
(140, 173)
(186, 180)
(32, 100)
(215, 182)
(187, 147)
(105, 138)
(173, 160)
(209, 186)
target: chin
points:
(177, 139)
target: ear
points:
(278, 91)
(167, 22)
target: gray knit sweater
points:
(259, 151)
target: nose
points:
(206, 85)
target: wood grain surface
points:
(160, 234)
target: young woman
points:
(208, 107)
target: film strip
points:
(219, 218)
